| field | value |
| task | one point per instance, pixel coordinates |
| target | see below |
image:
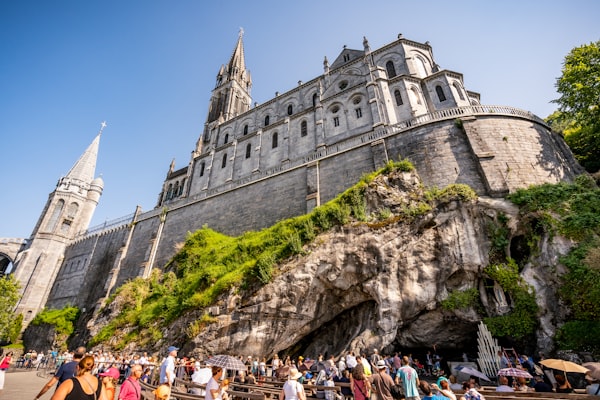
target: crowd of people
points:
(101, 375)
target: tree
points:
(579, 104)
(8, 300)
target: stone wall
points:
(494, 154)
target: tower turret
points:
(67, 213)
(231, 95)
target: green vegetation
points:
(522, 320)
(573, 210)
(578, 117)
(456, 191)
(461, 299)
(210, 264)
(63, 321)
(9, 288)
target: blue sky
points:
(147, 67)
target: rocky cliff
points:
(382, 283)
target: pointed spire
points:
(85, 168)
(237, 62)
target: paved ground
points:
(24, 385)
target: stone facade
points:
(255, 166)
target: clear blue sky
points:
(147, 67)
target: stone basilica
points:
(255, 164)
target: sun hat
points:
(381, 364)
(294, 374)
(172, 348)
(112, 372)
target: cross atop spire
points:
(102, 126)
(241, 33)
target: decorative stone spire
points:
(366, 45)
(326, 66)
(85, 167)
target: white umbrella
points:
(227, 362)
(472, 372)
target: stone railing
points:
(106, 225)
(361, 140)
(328, 151)
(12, 240)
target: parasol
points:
(515, 372)
(227, 362)
(472, 372)
(594, 369)
(563, 365)
(283, 371)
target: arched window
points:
(224, 162)
(56, 214)
(398, 97)
(181, 187)
(458, 90)
(72, 210)
(245, 130)
(202, 168)
(290, 109)
(420, 64)
(440, 93)
(415, 95)
(391, 70)
(267, 120)
(303, 128)
(170, 192)
(274, 140)
(226, 138)
(314, 100)
(175, 190)
(248, 150)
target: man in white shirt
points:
(167, 368)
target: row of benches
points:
(271, 389)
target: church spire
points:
(85, 167)
(231, 95)
(237, 62)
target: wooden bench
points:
(176, 393)
(492, 394)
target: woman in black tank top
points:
(84, 386)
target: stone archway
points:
(6, 264)
(9, 248)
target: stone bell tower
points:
(67, 213)
(230, 97)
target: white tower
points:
(68, 211)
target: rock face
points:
(361, 286)
(380, 284)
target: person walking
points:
(213, 387)
(110, 378)
(409, 379)
(361, 386)
(381, 382)
(292, 389)
(66, 371)
(4, 365)
(84, 386)
(167, 368)
(130, 388)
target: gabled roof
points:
(352, 55)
